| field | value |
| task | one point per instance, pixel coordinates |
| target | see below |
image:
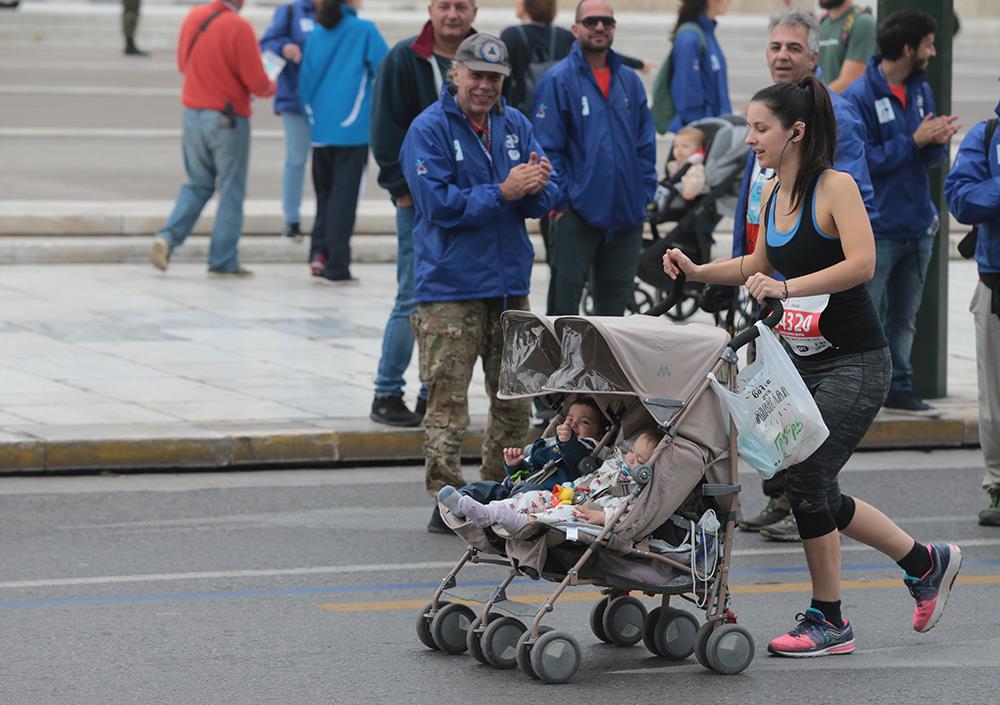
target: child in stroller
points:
(592, 499)
(686, 171)
(548, 462)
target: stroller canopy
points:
(650, 358)
(530, 354)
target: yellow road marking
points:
(753, 588)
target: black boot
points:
(132, 50)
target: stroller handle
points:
(771, 313)
(672, 298)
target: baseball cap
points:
(484, 52)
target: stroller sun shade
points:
(650, 358)
(530, 354)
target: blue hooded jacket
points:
(848, 157)
(335, 84)
(897, 166)
(468, 242)
(700, 84)
(604, 150)
(291, 24)
(973, 192)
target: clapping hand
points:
(512, 457)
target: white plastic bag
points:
(777, 422)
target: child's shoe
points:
(450, 498)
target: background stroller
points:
(693, 226)
(642, 372)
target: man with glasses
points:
(592, 120)
(408, 81)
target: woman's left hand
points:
(763, 287)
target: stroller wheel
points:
(623, 620)
(701, 642)
(499, 641)
(522, 652)
(729, 649)
(670, 633)
(472, 640)
(449, 627)
(597, 618)
(424, 625)
(555, 657)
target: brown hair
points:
(688, 12)
(807, 102)
(543, 11)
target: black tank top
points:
(849, 322)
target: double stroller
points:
(644, 372)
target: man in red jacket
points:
(218, 54)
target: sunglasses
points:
(593, 21)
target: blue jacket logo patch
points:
(421, 167)
(540, 113)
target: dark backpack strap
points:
(552, 43)
(991, 128)
(201, 30)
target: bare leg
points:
(823, 559)
(873, 528)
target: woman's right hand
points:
(675, 261)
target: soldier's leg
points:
(130, 18)
(507, 423)
(447, 336)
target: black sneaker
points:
(421, 407)
(292, 231)
(777, 509)
(391, 411)
(991, 515)
(906, 401)
(436, 525)
(786, 530)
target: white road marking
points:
(129, 133)
(358, 568)
(137, 91)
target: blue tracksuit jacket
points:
(604, 150)
(973, 192)
(335, 85)
(291, 24)
(469, 243)
(898, 167)
(700, 84)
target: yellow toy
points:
(562, 495)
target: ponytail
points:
(329, 13)
(688, 11)
(807, 102)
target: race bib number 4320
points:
(800, 325)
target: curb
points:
(365, 444)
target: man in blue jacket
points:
(903, 137)
(593, 122)
(286, 36)
(792, 53)
(973, 192)
(475, 171)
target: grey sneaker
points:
(160, 255)
(777, 509)
(991, 515)
(785, 530)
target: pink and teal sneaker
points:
(814, 636)
(932, 590)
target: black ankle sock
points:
(917, 562)
(830, 610)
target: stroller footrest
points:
(719, 490)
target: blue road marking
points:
(354, 589)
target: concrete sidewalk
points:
(112, 367)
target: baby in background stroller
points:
(593, 498)
(686, 171)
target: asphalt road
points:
(80, 121)
(303, 587)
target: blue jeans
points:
(297, 136)
(397, 341)
(215, 156)
(896, 290)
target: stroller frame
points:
(720, 644)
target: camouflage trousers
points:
(451, 335)
(130, 17)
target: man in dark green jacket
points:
(409, 80)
